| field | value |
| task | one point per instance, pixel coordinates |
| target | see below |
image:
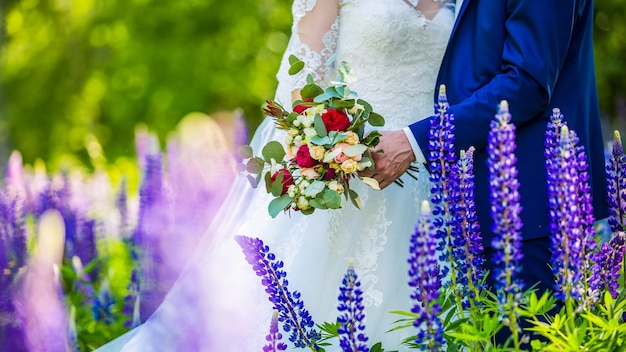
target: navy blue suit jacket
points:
(537, 55)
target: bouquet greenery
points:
(325, 144)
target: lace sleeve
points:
(313, 40)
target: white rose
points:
(335, 186)
(303, 203)
(349, 166)
(317, 152)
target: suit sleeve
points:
(536, 44)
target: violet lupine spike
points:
(442, 159)
(566, 218)
(132, 302)
(291, 312)
(505, 207)
(425, 279)
(616, 185)
(274, 337)
(468, 248)
(352, 314)
(608, 265)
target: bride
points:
(394, 47)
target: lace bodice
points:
(373, 36)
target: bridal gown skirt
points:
(219, 304)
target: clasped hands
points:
(392, 158)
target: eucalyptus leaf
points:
(310, 91)
(314, 189)
(293, 59)
(268, 182)
(317, 140)
(330, 156)
(255, 166)
(366, 105)
(372, 139)
(277, 185)
(332, 199)
(245, 151)
(340, 91)
(319, 125)
(296, 67)
(315, 203)
(354, 150)
(322, 97)
(252, 181)
(376, 119)
(371, 182)
(279, 204)
(354, 197)
(273, 150)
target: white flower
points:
(305, 120)
(303, 203)
(293, 132)
(315, 110)
(297, 141)
(317, 152)
(349, 166)
(291, 191)
(309, 173)
(309, 132)
(335, 186)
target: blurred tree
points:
(74, 70)
(610, 53)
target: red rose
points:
(303, 157)
(335, 120)
(287, 179)
(329, 174)
(300, 108)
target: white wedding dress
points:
(218, 304)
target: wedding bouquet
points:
(325, 144)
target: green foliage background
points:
(74, 72)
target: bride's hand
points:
(392, 157)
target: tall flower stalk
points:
(352, 315)
(442, 162)
(507, 224)
(425, 279)
(291, 312)
(609, 265)
(616, 185)
(468, 247)
(571, 213)
(616, 189)
(274, 336)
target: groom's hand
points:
(392, 157)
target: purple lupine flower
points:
(566, 219)
(442, 158)
(291, 312)
(616, 185)
(609, 265)
(13, 258)
(505, 208)
(103, 304)
(144, 245)
(468, 246)
(132, 302)
(424, 277)
(351, 329)
(83, 284)
(274, 337)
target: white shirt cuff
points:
(419, 156)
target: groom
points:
(537, 55)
